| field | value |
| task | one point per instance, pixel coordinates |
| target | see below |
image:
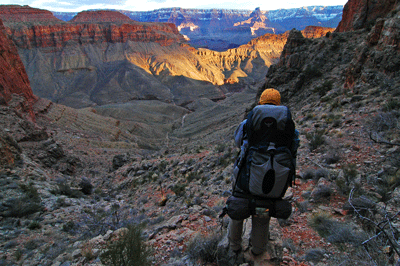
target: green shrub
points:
(65, 189)
(391, 105)
(18, 254)
(350, 171)
(315, 255)
(324, 88)
(28, 204)
(68, 226)
(315, 139)
(205, 249)
(193, 176)
(322, 192)
(128, 250)
(220, 148)
(179, 189)
(34, 225)
(334, 231)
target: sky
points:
(145, 5)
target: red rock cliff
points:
(15, 14)
(101, 16)
(27, 36)
(13, 77)
(358, 14)
(58, 35)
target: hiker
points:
(267, 114)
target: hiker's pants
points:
(258, 237)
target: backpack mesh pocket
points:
(268, 179)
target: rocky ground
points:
(65, 198)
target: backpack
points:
(267, 168)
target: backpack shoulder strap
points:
(249, 128)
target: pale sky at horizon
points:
(146, 5)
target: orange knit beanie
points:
(270, 96)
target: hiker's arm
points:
(239, 134)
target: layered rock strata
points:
(13, 77)
(26, 14)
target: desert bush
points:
(65, 189)
(34, 225)
(332, 156)
(363, 205)
(346, 182)
(18, 254)
(321, 192)
(383, 121)
(303, 206)
(381, 244)
(162, 166)
(316, 139)
(350, 171)
(309, 173)
(334, 231)
(321, 173)
(205, 249)
(315, 255)
(68, 226)
(179, 189)
(220, 148)
(86, 186)
(129, 249)
(312, 72)
(87, 251)
(193, 176)
(25, 205)
(324, 88)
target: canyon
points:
(147, 138)
(220, 30)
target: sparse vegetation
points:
(128, 249)
(324, 88)
(25, 205)
(34, 225)
(312, 72)
(334, 231)
(205, 249)
(179, 189)
(316, 139)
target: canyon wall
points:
(362, 14)
(13, 77)
(91, 62)
(222, 29)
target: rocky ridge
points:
(18, 14)
(87, 28)
(224, 29)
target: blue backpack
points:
(266, 165)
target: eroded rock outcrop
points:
(18, 14)
(101, 16)
(90, 27)
(361, 14)
(59, 35)
(13, 77)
